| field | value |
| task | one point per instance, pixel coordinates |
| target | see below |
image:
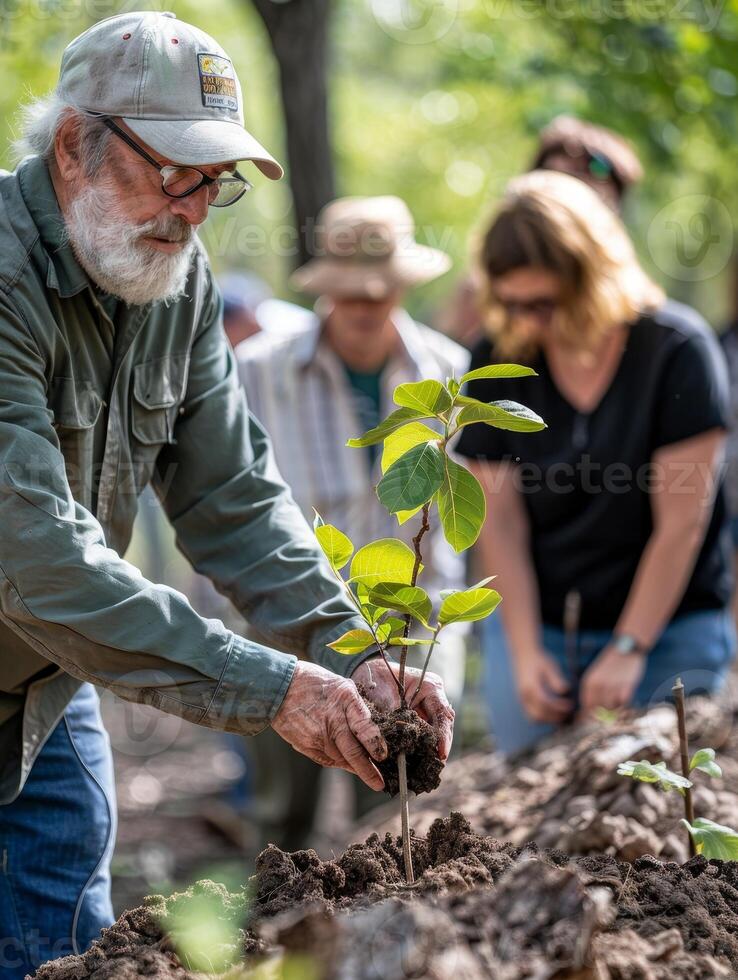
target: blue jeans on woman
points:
(698, 647)
(56, 841)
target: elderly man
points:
(315, 389)
(114, 372)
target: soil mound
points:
(405, 731)
(479, 908)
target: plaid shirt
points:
(299, 390)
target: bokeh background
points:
(439, 101)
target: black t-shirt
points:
(585, 479)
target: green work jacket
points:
(98, 399)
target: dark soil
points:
(479, 908)
(405, 731)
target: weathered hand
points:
(611, 681)
(542, 688)
(324, 717)
(431, 703)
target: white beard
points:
(108, 246)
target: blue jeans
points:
(56, 841)
(697, 647)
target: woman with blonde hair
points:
(607, 529)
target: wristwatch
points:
(625, 643)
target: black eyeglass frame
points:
(205, 180)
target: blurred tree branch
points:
(298, 31)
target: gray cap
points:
(172, 84)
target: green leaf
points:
(429, 397)
(498, 371)
(654, 772)
(355, 641)
(402, 440)
(336, 546)
(413, 479)
(704, 761)
(410, 641)
(317, 520)
(385, 560)
(500, 415)
(383, 631)
(385, 428)
(404, 515)
(403, 598)
(468, 606)
(396, 625)
(461, 505)
(713, 841)
(453, 386)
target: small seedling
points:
(712, 840)
(417, 473)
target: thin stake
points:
(405, 815)
(678, 692)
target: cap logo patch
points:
(217, 82)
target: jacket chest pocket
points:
(158, 389)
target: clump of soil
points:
(479, 908)
(405, 731)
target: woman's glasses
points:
(540, 308)
(178, 182)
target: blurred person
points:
(596, 155)
(315, 390)
(115, 373)
(620, 499)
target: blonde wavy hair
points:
(548, 220)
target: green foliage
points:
(204, 922)
(654, 772)
(468, 606)
(413, 479)
(355, 641)
(402, 440)
(408, 599)
(704, 761)
(497, 371)
(461, 505)
(713, 841)
(500, 415)
(393, 422)
(336, 546)
(430, 397)
(382, 560)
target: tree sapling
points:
(382, 581)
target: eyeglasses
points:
(542, 308)
(178, 182)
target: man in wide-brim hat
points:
(333, 380)
(115, 372)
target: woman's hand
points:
(611, 681)
(542, 687)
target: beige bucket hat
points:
(366, 247)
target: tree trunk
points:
(298, 30)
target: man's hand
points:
(611, 681)
(542, 687)
(431, 703)
(324, 717)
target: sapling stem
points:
(425, 526)
(678, 692)
(405, 818)
(416, 692)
